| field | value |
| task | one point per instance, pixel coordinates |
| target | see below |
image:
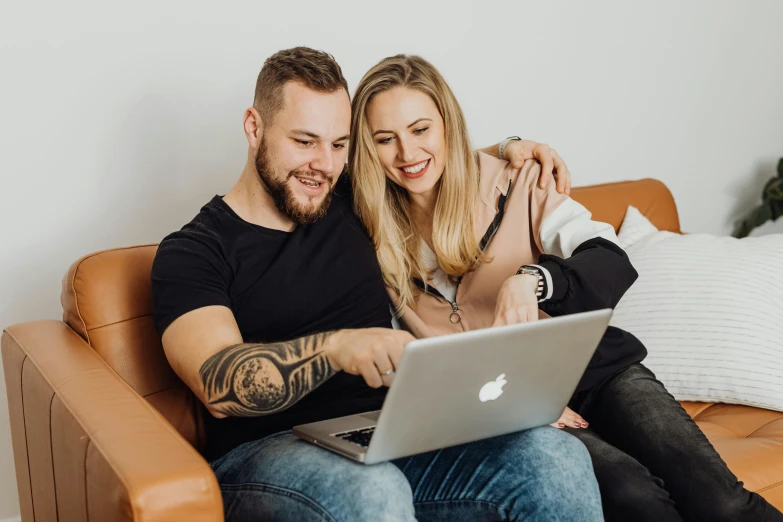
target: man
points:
(272, 309)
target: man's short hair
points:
(315, 70)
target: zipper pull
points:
(455, 317)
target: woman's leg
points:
(628, 490)
(633, 412)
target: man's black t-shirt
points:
(279, 286)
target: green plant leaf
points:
(771, 205)
(775, 209)
(774, 189)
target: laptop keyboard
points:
(359, 437)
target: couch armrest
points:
(88, 447)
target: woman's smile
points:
(415, 170)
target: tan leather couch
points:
(103, 430)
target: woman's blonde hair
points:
(383, 206)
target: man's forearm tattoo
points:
(248, 380)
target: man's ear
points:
(254, 127)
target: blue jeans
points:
(541, 474)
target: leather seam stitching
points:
(76, 298)
(772, 486)
(24, 425)
(762, 426)
(143, 403)
(51, 455)
(737, 435)
(701, 411)
(86, 496)
(118, 322)
(157, 392)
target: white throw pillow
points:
(709, 309)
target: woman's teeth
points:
(416, 168)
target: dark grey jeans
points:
(653, 462)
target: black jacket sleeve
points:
(596, 276)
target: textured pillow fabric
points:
(709, 309)
(636, 227)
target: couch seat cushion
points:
(750, 440)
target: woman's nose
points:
(405, 151)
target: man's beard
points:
(283, 195)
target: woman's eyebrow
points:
(409, 126)
(419, 120)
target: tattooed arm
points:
(232, 378)
(258, 379)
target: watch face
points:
(527, 270)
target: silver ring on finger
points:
(387, 372)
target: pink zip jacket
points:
(521, 224)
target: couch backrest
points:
(608, 202)
(107, 300)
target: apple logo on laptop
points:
(493, 389)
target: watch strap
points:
(504, 144)
(532, 270)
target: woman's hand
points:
(571, 419)
(552, 165)
(517, 301)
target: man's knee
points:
(346, 493)
(562, 452)
(379, 488)
(287, 476)
(351, 491)
(560, 467)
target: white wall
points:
(118, 122)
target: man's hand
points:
(518, 151)
(571, 419)
(373, 353)
(517, 301)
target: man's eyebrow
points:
(409, 126)
(316, 136)
(306, 133)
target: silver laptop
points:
(463, 387)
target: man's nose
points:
(323, 160)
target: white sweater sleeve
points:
(570, 225)
(567, 227)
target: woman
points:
(466, 242)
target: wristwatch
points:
(531, 270)
(504, 144)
